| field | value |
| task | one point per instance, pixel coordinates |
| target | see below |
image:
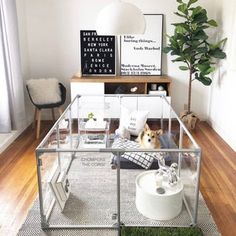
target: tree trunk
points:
(189, 91)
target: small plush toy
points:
(173, 179)
(123, 133)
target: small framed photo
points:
(60, 186)
(142, 54)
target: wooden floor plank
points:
(18, 180)
(218, 177)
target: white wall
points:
(49, 35)
(222, 111)
(180, 78)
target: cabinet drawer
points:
(87, 103)
(155, 106)
(86, 88)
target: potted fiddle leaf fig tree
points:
(190, 46)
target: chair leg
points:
(53, 115)
(35, 118)
(38, 123)
(60, 111)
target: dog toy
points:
(123, 133)
(172, 175)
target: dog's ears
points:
(141, 135)
(146, 127)
(159, 132)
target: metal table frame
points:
(118, 152)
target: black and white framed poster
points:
(141, 54)
(97, 53)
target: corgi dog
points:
(149, 138)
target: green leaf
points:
(178, 14)
(200, 35)
(202, 27)
(191, 2)
(188, 51)
(183, 8)
(194, 26)
(202, 49)
(204, 60)
(201, 17)
(180, 29)
(212, 23)
(179, 1)
(183, 67)
(210, 70)
(167, 49)
(181, 38)
(204, 79)
(196, 10)
(173, 42)
(175, 52)
(194, 43)
(217, 53)
(217, 45)
(203, 67)
(178, 59)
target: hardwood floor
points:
(18, 182)
(218, 178)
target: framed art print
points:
(97, 53)
(141, 54)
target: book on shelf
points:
(157, 92)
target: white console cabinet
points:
(100, 85)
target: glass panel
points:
(78, 189)
(78, 148)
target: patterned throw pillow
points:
(144, 159)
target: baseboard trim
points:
(224, 135)
(7, 139)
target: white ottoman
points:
(154, 205)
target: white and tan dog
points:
(149, 138)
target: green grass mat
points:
(161, 231)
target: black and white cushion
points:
(143, 159)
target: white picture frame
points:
(60, 186)
(142, 54)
